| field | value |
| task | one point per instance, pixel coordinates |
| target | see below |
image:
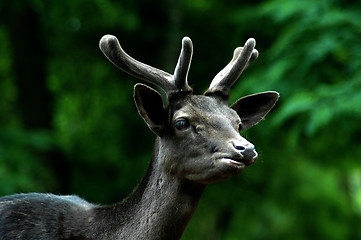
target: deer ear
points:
(150, 106)
(253, 108)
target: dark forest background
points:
(68, 124)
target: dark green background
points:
(68, 124)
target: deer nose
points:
(239, 147)
(242, 145)
(246, 149)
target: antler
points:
(183, 64)
(169, 83)
(242, 57)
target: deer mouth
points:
(238, 162)
(234, 162)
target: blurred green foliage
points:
(88, 139)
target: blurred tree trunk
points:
(34, 104)
(29, 64)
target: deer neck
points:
(162, 205)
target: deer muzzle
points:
(244, 151)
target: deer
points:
(198, 142)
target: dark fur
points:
(48, 216)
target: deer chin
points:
(226, 167)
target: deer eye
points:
(181, 123)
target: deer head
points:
(199, 137)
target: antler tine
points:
(242, 57)
(111, 48)
(183, 64)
